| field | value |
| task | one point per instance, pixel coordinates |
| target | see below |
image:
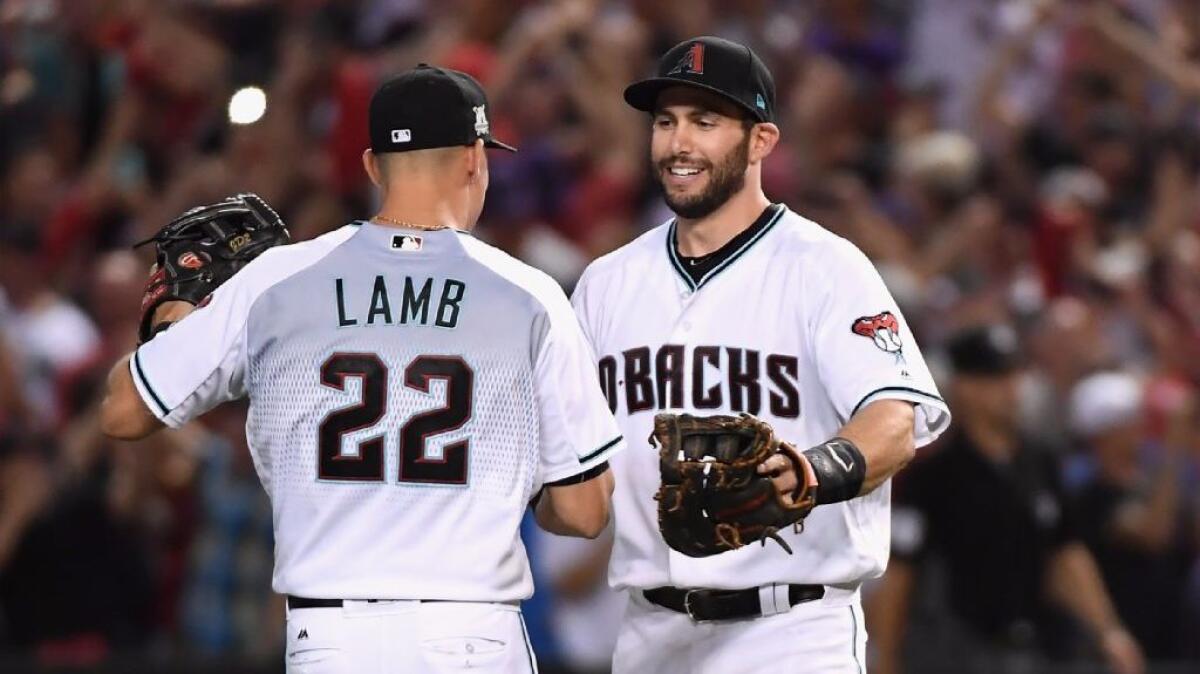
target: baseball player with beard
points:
(744, 306)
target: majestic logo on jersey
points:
(692, 62)
(748, 380)
(406, 242)
(883, 329)
(192, 260)
(303, 634)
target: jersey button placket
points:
(687, 297)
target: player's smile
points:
(680, 177)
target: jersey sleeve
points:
(578, 431)
(862, 346)
(200, 361)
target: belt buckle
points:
(687, 607)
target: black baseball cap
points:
(985, 350)
(714, 64)
(429, 107)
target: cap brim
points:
(497, 145)
(644, 94)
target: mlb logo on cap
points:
(401, 135)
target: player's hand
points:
(1122, 652)
(782, 471)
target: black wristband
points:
(589, 474)
(840, 468)
(578, 478)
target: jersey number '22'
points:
(415, 466)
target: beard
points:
(724, 180)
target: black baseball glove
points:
(712, 498)
(204, 247)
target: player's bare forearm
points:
(883, 432)
(123, 413)
(580, 510)
(873, 446)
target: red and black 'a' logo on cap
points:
(692, 62)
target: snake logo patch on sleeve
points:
(883, 329)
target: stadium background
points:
(1032, 164)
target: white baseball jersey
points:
(409, 392)
(797, 328)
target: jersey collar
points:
(770, 216)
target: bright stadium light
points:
(247, 105)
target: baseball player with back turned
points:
(411, 389)
(739, 305)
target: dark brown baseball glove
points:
(712, 499)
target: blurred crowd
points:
(1028, 165)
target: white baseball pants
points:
(825, 636)
(395, 637)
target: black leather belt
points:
(304, 602)
(295, 602)
(706, 605)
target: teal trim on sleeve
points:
(603, 448)
(904, 389)
(137, 366)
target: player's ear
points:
(476, 161)
(371, 163)
(763, 138)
